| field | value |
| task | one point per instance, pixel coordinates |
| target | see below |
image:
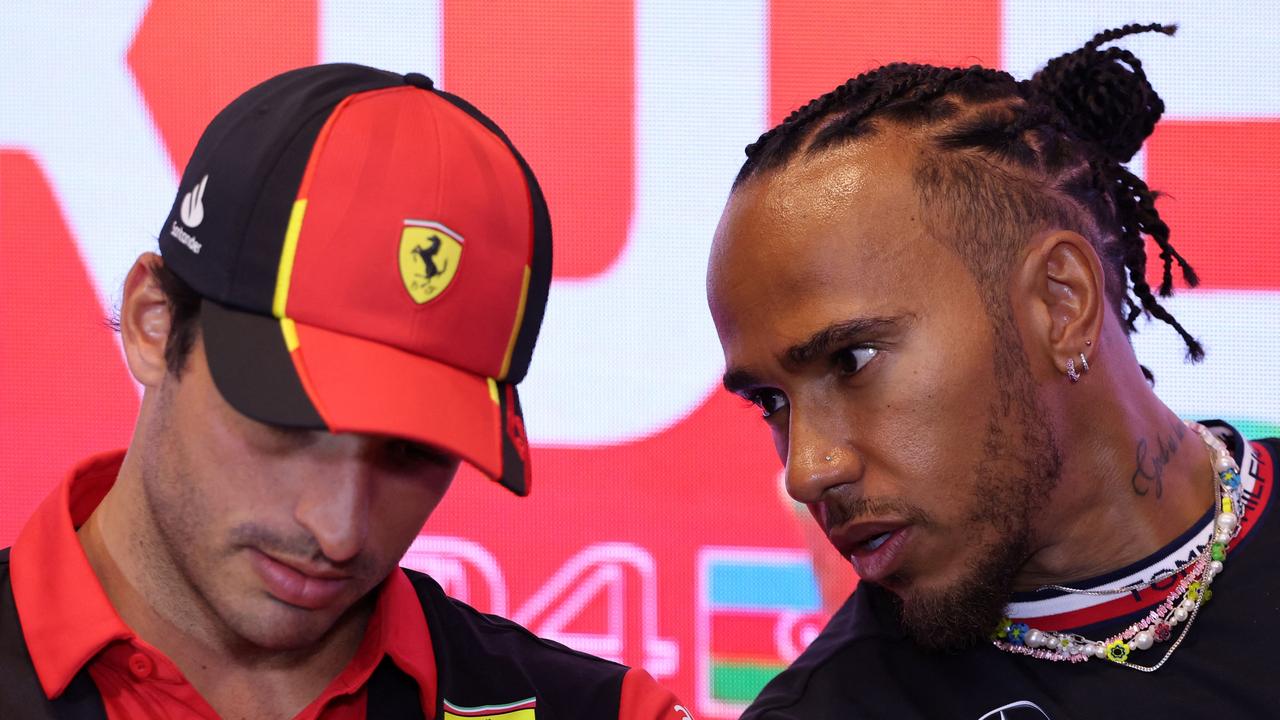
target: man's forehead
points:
(826, 240)
(825, 181)
(817, 221)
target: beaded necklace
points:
(1181, 606)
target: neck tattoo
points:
(1180, 608)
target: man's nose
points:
(335, 505)
(820, 456)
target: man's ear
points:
(1063, 280)
(144, 322)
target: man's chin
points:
(951, 620)
(957, 613)
(280, 628)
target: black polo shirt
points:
(862, 666)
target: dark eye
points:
(289, 439)
(769, 401)
(417, 454)
(853, 359)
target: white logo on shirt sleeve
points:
(1015, 710)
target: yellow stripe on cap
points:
(515, 329)
(285, 272)
(493, 390)
(290, 330)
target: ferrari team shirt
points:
(68, 624)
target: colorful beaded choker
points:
(1181, 606)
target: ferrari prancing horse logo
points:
(429, 257)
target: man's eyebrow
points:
(841, 333)
(735, 381)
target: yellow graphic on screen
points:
(429, 257)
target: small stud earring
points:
(830, 458)
(1084, 362)
(1072, 375)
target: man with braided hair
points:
(926, 280)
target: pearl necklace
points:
(1181, 606)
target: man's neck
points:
(1134, 478)
(235, 678)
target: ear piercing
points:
(1072, 374)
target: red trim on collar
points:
(398, 628)
(67, 619)
(404, 635)
(1120, 607)
(65, 614)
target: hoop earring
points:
(1072, 375)
(1084, 362)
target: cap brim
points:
(296, 375)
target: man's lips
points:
(309, 588)
(874, 547)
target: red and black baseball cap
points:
(374, 256)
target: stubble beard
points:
(187, 583)
(1015, 476)
(179, 564)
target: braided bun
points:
(1103, 94)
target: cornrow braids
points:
(1001, 156)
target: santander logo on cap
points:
(191, 212)
(192, 209)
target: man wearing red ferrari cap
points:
(350, 284)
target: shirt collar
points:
(65, 614)
(1056, 610)
(67, 618)
(398, 629)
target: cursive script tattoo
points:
(1150, 471)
